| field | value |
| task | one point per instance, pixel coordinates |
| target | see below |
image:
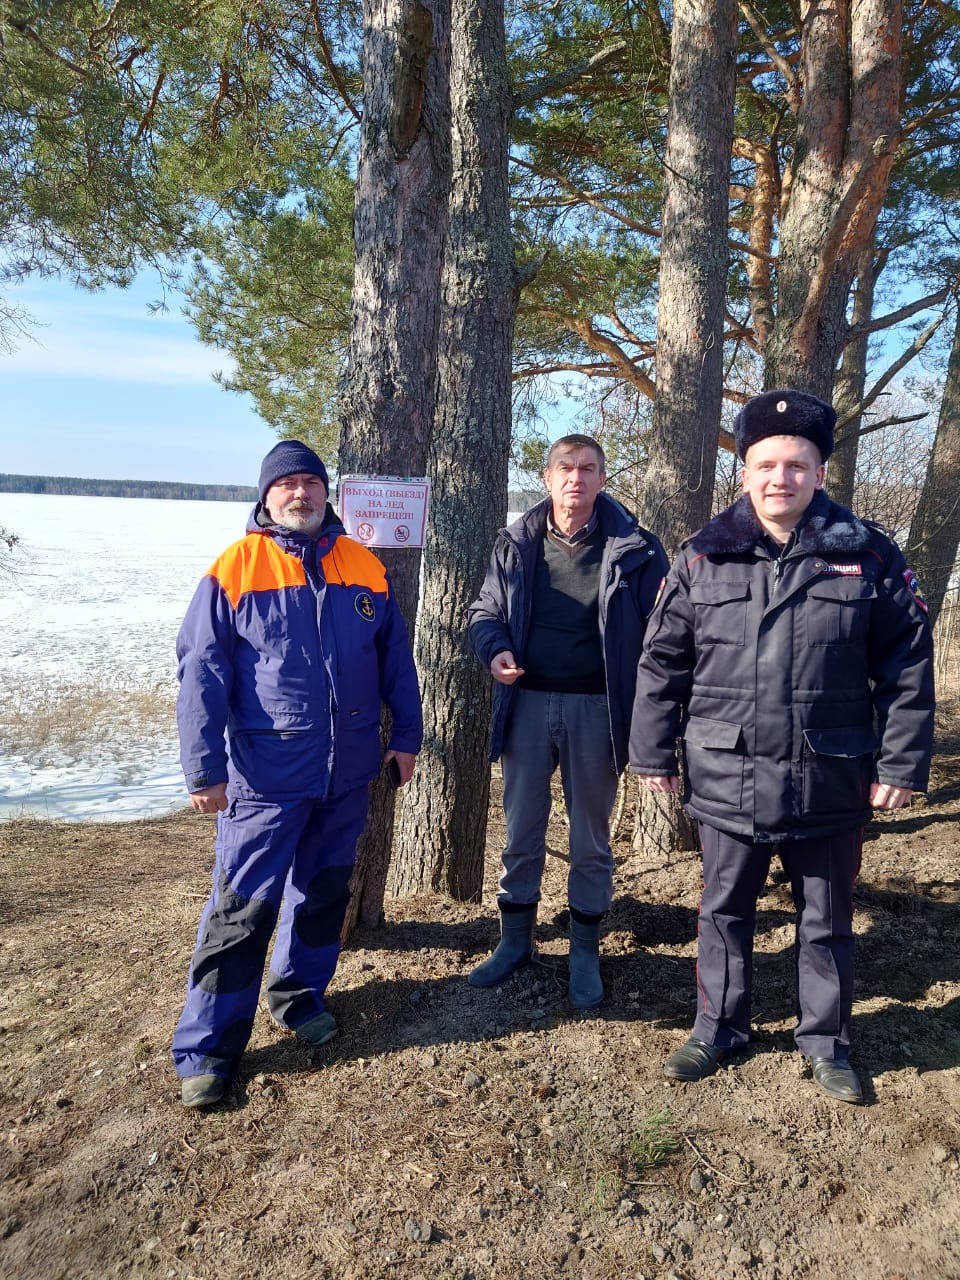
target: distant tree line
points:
(521, 499)
(128, 488)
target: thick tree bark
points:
(678, 483)
(442, 830)
(851, 383)
(399, 231)
(662, 827)
(935, 530)
(848, 126)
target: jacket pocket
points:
(713, 761)
(720, 609)
(838, 610)
(276, 763)
(358, 754)
(837, 768)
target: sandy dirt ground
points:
(466, 1135)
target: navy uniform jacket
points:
(631, 570)
(792, 682)
(288, 647)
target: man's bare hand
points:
(210, 799)
(883, 796)
(504, 668)
(406, 763)
(664, 783)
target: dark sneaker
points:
(202, 1091)
(318, 1030)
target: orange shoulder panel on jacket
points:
(348, 564)
(256, 563)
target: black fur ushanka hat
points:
(785, 413)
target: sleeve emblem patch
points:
(363, 603)
(913, 586)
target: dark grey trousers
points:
(822, 872)
(572, 731)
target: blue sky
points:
(106, 390)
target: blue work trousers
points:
(571, 730)
(288, 860)
(822, 872)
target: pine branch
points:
(550, 86)
(904, 313)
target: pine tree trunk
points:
(850, 385)
(400, 217)
(442, 829)
(662, 827)
(935, 530)
(678, 483)
(848, 126)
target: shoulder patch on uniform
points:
(913, 586)
(363, 603)
(256, 563)
(852, 568)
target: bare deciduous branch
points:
(910, 353)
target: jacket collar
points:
(825, 527)
(614, 520)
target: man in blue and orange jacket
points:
(290, 643)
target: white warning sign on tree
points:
(385, 511)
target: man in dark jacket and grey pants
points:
(791, 653)
(559, 624)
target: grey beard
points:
(309, 522)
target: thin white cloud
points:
(110, 337)
(109, 356)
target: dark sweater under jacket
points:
(632, 568)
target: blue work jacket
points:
(288, 647)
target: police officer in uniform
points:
(790, 652)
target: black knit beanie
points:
(289, 458)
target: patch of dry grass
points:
(39, 719)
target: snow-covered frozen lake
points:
(103, 585)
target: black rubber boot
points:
(586, 988)
(513, 952)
